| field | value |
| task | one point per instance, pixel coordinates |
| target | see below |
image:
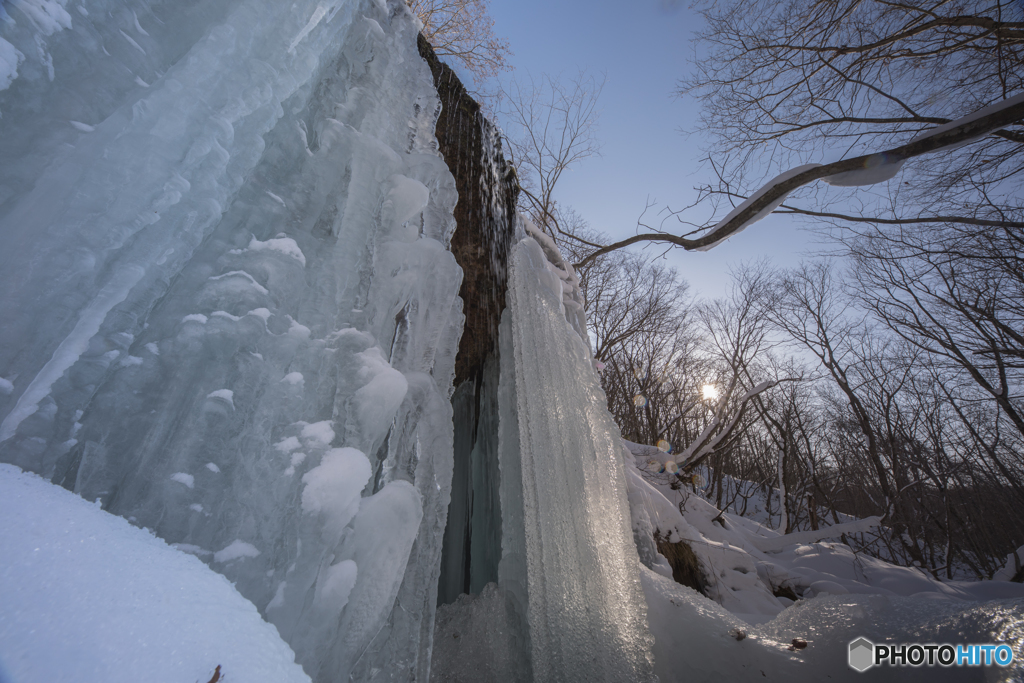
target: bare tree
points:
(959, 307)
(811, 309)
(464, 31)
(551, 126)
(874, 82)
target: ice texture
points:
(474, 640)
(584, 603)
(10, 58)
(252, 203)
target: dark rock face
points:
(686, 568)
(485, 225)
(484, 215)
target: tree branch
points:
(770, 196)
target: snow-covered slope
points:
(698, 640)
(85, 597)
(841, 595)
(747, 563)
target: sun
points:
(710, 392)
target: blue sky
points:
(642, 47)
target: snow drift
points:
(88, 598)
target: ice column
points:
(568, 546)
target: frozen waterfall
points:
(230, 313)
(574, 558)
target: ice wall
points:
(230, 314)
(229, 310)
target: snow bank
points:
(695, 639)
(88, 598)
(747, 564)
(10, 59)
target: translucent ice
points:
(584, 602)
(246, 196)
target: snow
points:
(744, 563)
(1011, 567)
(984, 111)
(383, 532)
(696, 639)
(10, 59)
(293, 378)
(213, 468)
(296, 460)
(6, 386)
(298, 330)
(768, 545)
(841, 596)
(332, 488)
(244, 277)
(318, 434)
(183, 478)
(192, 549)
(763, 213)
(878, 168)
(225, 314)
(226, 395)
(48, 16)
(236, 550)
(382, 392)
(406, 199)
(288, 444)
(281, 245)
(88, 598)
(338, 582)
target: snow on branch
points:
(706, 444)
(862, 170)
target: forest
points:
(888, 369)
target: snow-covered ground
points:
(808, 563)
(85, 597)
(841, 595)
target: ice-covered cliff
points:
(230, 311)
(230, 314)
